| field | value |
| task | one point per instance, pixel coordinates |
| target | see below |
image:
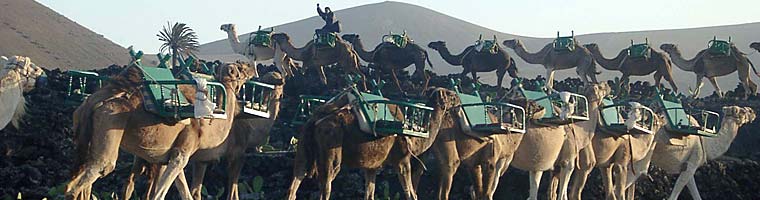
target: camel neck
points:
(292, 51)
(274, 102)
(609, 64)
(235, 42)
(715, 147)
(684, 64)
(364, 55)
(531, 58)
(455, 60)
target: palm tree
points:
(180, 39)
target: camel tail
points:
(82, 132)
(753, 67)
(512, 68)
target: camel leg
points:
(550, 78)
(154, 172)
(181, 184)
(322, 76)
(328, 166)
(564, 179)
(501, 167)
(369, 183)
(300, 165)
(607, 181)
(490, 174)
(199, 172)
(682, 180)
(699, 85)
(585, 166)
(138, 166)
(500, 77)
(102, 154)
(474, 76)
(622, 172)
(448, 162)
(186, 144)
(551, 193)
(693, 189)
(234, 167)
(417, 171)
(535, 180)
(714, 82)
(405, 177)
(630, 192)
(478, 172)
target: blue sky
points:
(136, 22)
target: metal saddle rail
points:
(308, 104)
(680, 119)
(508, 117)
(551, 100)
(395, 117)
(163, 97)
(254, 98)
(614, 116)
(78, 90)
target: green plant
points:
(180, 39)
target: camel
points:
(658, 62)
(475, 61)
(577, 139)
(628, 153)
(18, 76)
(113, 117)
(390, 57)
(332, 137)
(486, 156)
(313, 56)
(580, 59)
(684, 159)
(259, 53)
(711, 67)
(247, 131)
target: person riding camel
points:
(331, 25)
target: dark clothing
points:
(331, 25)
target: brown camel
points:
(247, 131)
(333, 137)
(692, 151)
(486, 156)
(114, 117)
(658, 62)
(314, 56)
(628, 153)
(390, 57)
(476, 61)
(711, 67)
(580, 59)
(577, 139)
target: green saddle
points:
(490, 46)
(307, 105)
(162, 95)
(396, 39)
(489, 117)
(381, 116)
(260, 38)
(613, 115)
(719, 47)
(325, 39)
(637, 51)
(78, 90)
(551, 101)
(705, 122)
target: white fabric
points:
(569, 107)
(10, 97)
(634, 115)
(203, 105)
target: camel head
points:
(350, 37)
(669, 47)
(441, 98)
(437, 45)
(227, 27)
(597, 91)
(235, 74)
(740, 115)
(27, 73)
(513, 43)
(755, 46)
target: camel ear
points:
(750, 114)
